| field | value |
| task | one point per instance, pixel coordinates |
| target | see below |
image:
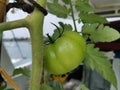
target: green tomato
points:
(65, 54)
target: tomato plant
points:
(65, 54)
(68, 51)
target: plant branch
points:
(13, 24)
(73, 17)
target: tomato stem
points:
(73, 17)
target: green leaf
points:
(104, 34)
(92, 18)
(83, 87)
(25, 71)
(89, 28)
(96, 60)
(100, 33)
(58, 10)
(83, 6)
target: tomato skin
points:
(65, 54)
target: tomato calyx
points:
(58, 32)
(50, 39)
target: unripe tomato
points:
(65, 54)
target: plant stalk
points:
(72, 14)
(36, 20)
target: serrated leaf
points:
(58, 10)
(104, 34)
(25, 71)
(96, 60)
(92, 18)
(83, 6)
(83, 87)
(89, 28)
